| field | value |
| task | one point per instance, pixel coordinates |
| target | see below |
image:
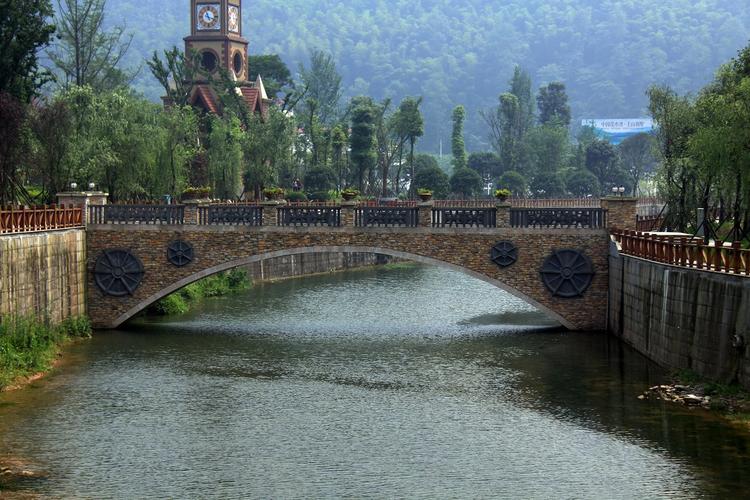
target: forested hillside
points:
(463, 51)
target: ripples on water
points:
(388, 383)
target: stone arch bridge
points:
(555, 259)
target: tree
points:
(487, 164)
(520, 86)
(465, 182)
(411, 126)
(179, 125)
(51, 125)
(322, 84)
(268, 148)
(548, 148)
(637, 154)
(320, 180)
(274, 72)
(23, 31)
(508, 130)
(225, 157)
(12, 117)
(176, 74)
(362, 139)
(583, 183)
(602, 161)
(515, 182)
(430, 176)
(86, 54)
(552, 102)
(457, 142)
(550, 185)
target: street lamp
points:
(91, 186)
(73, 186)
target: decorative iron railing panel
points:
(230, 215)
(387, 217)
(137, 214)
(464, 217)
(309, 216)
(589, 218)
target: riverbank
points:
(29, 347)
(217, 285)
(689, 389)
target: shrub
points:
(296, 196)
(170, 305)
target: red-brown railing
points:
(685, 252)
(556, 203)
(45, 218)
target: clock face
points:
(234, 19)
(208, 16)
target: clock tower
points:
(216, 34)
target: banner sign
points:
(617, 130)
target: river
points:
(409, 382)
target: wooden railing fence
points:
(686, 252)
(44, 218)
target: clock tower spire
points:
(216, 34)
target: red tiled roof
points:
(251, 96)
(207, 96)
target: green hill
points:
(463, 51)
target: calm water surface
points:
(386, 383)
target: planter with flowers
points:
(424, 194)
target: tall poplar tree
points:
(458, 146)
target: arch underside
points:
(333, 249)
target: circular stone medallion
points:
(118, 273)
(567, 273)
(504, 254)
(180, 253)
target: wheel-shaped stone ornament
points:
(180, 253)
(567, 273)
(118, 273)
(504, 254)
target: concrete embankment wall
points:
(43, 274)
(682, 318)
(292, 266)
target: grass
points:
(29, 345)
(213, 286)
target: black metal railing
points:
(309, 216)
(589, 218)
(137, 214)
(387, 217)
(464, 217)
(230, 215)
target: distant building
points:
(617, 130)
(216, 35)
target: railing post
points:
(82, 200)
(425, 213)
(191, 211)
(349, 213)
(621, 212)
(502, 215)
(271, 212)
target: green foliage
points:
(225, 159)
(583, 183)
(214, 286)
(274, 72)
(24, 29)
(363, 153)
(430, 176)
(465, 182)
(603, 161)
(296, 196)
(552, 102)
(515, 182)
(457, 141)
(486, 164)
(320, 179)
(502, 193)
(322, 84)
(28, 345)
(86, 54)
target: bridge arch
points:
(226, 266)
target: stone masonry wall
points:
(224, 247)
(43, 274)
(682, 318)
(291, 266)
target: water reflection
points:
(418, 383)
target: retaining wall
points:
(682, 318)
(43, 274)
